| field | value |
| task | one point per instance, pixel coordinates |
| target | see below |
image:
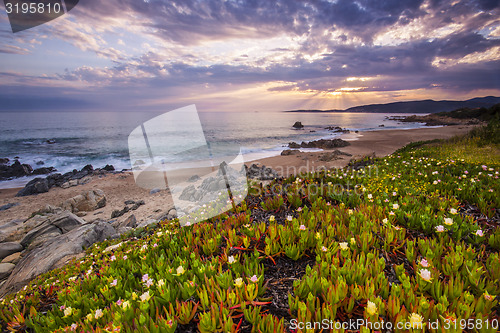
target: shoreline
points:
(120, 186)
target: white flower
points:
(370, 196)
(385, 221)
(416, 321)
(395, 206)
(289, 217)
(453, 211)
(180, 270)
(440, 228)
(145, 297)
(324, 249)
(425, 274)
(479, 233)
(344, 246)
(98, 314)
(448, 221)
(68, 311)
(231, 260)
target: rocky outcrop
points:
(4, 160)
(261, 173)
(298, 125)
(322, 144)
(289, 152)
(15, 170)
(69, 179)
(337, 129)
(44, 171)
(54, 252)
(129, 206)
(334, 155)
(49, 227)
(85, 202)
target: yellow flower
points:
(68, 311)
(344, 246)
(90, 317)
(371, 308)
(238, 282)
(161, 283)
(134, 296)
(416, 320)
(180, 270)
(125, 304)
(353, 240)
(272, 218)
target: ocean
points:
(70, 140)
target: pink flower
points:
(424, 263)
(125, 257)
(115, 281)
(119, 302)
(113, 258)
(440, 228)
(74, 327)
(302, 227)
(479, 233)
(145, 277)
(254, 279)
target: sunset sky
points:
(236, 55)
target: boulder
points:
(6, 269)
(334, 155)
(8, 248)
(52, 226)
(36, 186)
(4, 160)
(298, 124)
(262, 172)
(85, 202)
(130, 222)
(47, 256)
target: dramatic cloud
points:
(156, 53)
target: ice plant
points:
(272, 218)
(180, 270)
(395, 206)
(448, 221)
(68, 311)
(425, 274)
(453, 211)
(231, 260)
(238, 282)
(98, 314)
(424, 263)
(440, 228)
(254, 279)
(145, 297)
(344, 245)
(416, 321)
(479, 233)
(302, 227)
(371, 308)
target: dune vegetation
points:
(411, 240)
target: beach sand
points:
(120, 187)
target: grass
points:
(411, 239)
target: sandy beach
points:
(120, 187)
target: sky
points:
(255, 55)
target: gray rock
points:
(130, 222)
(36, 186)
(8, 206)
(289, 152)
(8, 248)
(298, 124)
(193, 178)
(146, 223)
(85, 202)
(10, 231)
(46, 257)
(6, 269)
(52, 226)
(155, 190)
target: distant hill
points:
(424, 106)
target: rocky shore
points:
(62, 229)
